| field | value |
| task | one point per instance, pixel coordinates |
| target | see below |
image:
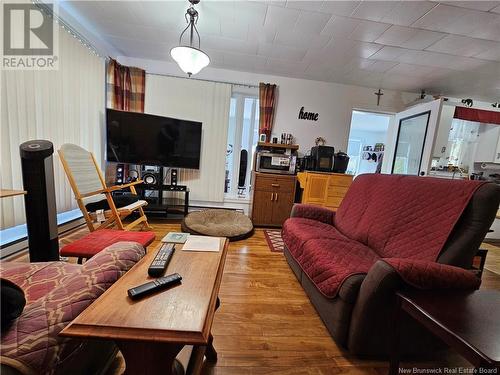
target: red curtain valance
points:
(478, 115)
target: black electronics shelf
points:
(158, 200)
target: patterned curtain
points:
(125, 87)
(267, 102)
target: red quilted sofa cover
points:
(56, 293)
(404, 220)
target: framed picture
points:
(410, 144)
(262, 138)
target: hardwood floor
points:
(266, 324)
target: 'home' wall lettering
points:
(308, 115)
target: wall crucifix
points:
(379, 93)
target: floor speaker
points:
(243, 169)
(120, 174)
(40, 200)
(150, 175)
(173, 177)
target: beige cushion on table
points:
(218, 223)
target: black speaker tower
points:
(40, 200)
(173, 177)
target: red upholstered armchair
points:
(390, 232)
(56, 292)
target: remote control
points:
(161, 260)
(153, 286)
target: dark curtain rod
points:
(207, 80)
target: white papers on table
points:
(202, 243)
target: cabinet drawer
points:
(284, 185)
(344, 181)
(337, 191)
(333, 201)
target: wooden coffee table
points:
(468, 321)
(150, 332)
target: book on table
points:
(202, 243)
(175, 237)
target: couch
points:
(390, 232)
(55, 293)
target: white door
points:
(411, 139)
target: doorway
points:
(367, 141)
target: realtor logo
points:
(28, 37)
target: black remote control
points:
(153, 286)
(161, 260)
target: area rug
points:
(274, 240)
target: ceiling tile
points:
(304, 5)
(285, 66)
(490, 31)
(406, 12)
(412, 70)
(381, 66)
(230, 44)
(339, 8)
(311, 22)
(349, 47)
(237, 30)
(278, 17)
(250, 12)
(281, 52)
(455, 20)
(368, 31)
(388, 53)
(340, 26)
(244, 61)
(491, 54)
(462, 46)
(261, 34)
(478, 5)
(302, 40)
(374, 10)
(407, 37)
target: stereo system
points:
(40, 200)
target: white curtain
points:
(62, 106)
(207, 102)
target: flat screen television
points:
(139, 138)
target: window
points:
(242, 140)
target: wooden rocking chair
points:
(88, 185)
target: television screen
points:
(139, 138)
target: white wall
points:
(334, 102)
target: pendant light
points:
(190, 59)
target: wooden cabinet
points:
(324, 189)
(272, 199)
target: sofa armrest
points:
(45, 318)
(431, 275)
(309, 211)
(371, 320)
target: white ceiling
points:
(451, 47)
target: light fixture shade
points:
(191, 60)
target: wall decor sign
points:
(308, 115)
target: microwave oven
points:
(267, 162)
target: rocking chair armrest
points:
(92, 193)
(124, 186)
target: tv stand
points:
(158, 200)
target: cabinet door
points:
(262, 213)
(283, 202)
(316, 189)
(487, 143)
